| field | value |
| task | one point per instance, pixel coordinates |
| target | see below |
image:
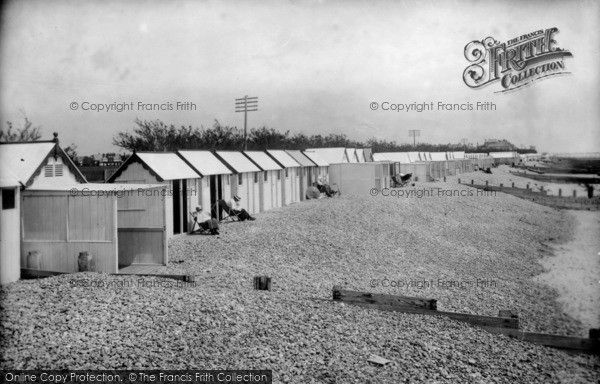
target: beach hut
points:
(438, 167)
(26, 165)
(331, 155)
(215, 183)
(466, 165)
(55, 222)
(480, 160)
(396, 159)
(111, 225)
(405, 162)
(509, 158)
(270, 182)
(290, 180)
(164, 168)
(308, 171)
(360, 178)
(322, 171)
(247, 175)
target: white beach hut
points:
(216, 179)
(270, 181)
(164, 168)
(291, 175)
(247, 185)
(322, 166)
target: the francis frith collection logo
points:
(515, 63)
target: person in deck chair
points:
(234, 207)
(204, 222)
(325, 188)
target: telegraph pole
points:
(414, 133)
(246, 104)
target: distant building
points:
(498, 145)
(111, 160)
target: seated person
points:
(204, 221)
(234, 207)
(323, 187)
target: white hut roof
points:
(400, 157)
(502, 155)
(360, 155)
(300, 158)
(351, 155)
(331, 155)
(414, 157)
(264, 161)
(283, 158)
(82, 188)
(167, 165)
(7, 179)
(438, 156)
(238, 161)
(204, 162)
(459, 154)
(23, 160)
(316, 158)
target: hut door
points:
(214, 213)
(176, 207)
(184, 205)
(216, 194)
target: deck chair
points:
(199, 230)
(224, 213)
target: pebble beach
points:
(474, 254)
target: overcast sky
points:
(315, 66)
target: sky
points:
(316, 67)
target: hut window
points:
(286, 172)
(58, 170)
(256, 177)
(240, 179)
(279, 175)
(48, 170)
(8, 198)
(266, 176)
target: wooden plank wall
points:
(141, 210)
(62, 256)
(141, 223)
(59, 227)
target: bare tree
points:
(25, 132)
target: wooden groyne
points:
(559, 202)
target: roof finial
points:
(55, 137)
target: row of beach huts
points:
(52, 220)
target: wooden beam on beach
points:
(406, 304)
(184, 278)
(27, 273)
(379, 299)
(577, 344)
